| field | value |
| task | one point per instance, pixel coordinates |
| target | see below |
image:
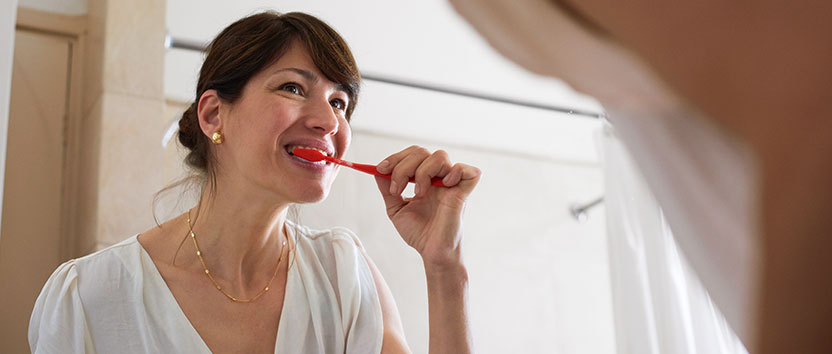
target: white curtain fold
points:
(659, 304)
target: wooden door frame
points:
(73, 28)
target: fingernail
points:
(416, 190)
(383, 166)
(447, 179)
(393, 187)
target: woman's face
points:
(288, 104)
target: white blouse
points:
(115, 301)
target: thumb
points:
(463, 176)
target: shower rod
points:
(579, 211)
(192, 45)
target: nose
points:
(322, 118)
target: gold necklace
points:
(208, 273)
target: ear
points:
(208, 111)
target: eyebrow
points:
(305, 73)
(308, 75)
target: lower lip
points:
(317, 167)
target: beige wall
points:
(122, 114)
(121, 117)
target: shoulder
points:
(101, 272)
(75, 288)
(119, 257)
(58, 321)
(335, 251)
(336, 236)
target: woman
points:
(232, 274)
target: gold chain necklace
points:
(208, 273)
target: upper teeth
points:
(293, 147)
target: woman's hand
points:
(430, 222)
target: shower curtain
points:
(659, 304)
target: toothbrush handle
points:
(371, 169)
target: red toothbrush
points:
(315, 156)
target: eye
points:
(338, 104)
(291, 87)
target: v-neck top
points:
(116, 301)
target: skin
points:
(240, 229)
(762, 71)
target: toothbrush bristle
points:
(308, 154)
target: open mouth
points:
(290, 148)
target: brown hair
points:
(240, 52)
(248, 46)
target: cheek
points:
(273, 123)
(345, 138)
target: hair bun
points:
(189, 135)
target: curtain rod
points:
(186, 44)
(579, 211)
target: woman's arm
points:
(430, 222)
(448, 309)
(447, 306)
(394, 340)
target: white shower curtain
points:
(659, 304)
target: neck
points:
(240, 237)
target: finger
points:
(392, 202)
(436, 165)
(466, 176)
(406, 168)
(454, 176)
(386, 165)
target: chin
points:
(311, 196)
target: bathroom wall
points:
(539, 279)
(121, 114)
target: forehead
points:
(295, 57)
(296, 54)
